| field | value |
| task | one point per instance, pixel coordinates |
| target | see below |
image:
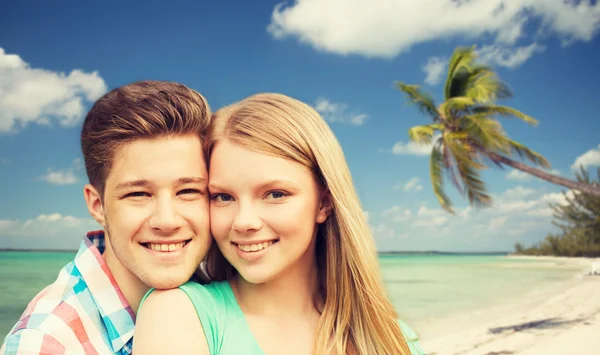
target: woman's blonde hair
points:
(357, 317)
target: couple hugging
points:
(238, 232)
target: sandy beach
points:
(563, 318)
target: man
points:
(142, 145)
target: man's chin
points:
(169, 283)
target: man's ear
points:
(93, 200)
(325, 207)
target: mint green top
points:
(224, 323)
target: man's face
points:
(156, 211)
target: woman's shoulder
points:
(412, 339)
(158, 298)
(217, 292)
(167, 314)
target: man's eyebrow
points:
(190, 180)
(133, 183)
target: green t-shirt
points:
(224, 323)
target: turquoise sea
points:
(424, 288)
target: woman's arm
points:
(167, 323)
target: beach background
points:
(344, 59)
(458, 303)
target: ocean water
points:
(423, 288)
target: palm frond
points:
(483, 86)
(460, 62)
(424, 134)
(467, 166)
(506, 112)
(486, 132)
(455, 104)
(529, 154)
(437, 177)
(416, 96)
(449, 164)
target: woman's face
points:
(264, 212)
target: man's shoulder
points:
(56, 317)
(31, 341)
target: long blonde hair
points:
(357, 317)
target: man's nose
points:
(165, 217)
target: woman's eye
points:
(277, 194)
(221, 198)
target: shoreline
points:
(550, 319)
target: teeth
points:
(166, 247)
(255, 247)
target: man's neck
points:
(133, 288)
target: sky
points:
(340, 56)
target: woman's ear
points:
(325, 207)
(93, 200)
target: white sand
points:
(560, 319)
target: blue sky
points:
(342, 57)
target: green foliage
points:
(579, 222)
(470, 131)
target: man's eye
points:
(137, 194)
(188, 191)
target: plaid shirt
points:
(82, 312)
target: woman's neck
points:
(291, 294)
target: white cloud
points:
(554, 171)
(63, 176)
(397, 214)
(434, 68)
(429, 217)
(388, 28)
(587, 159)
(411, 148)
(513, 206)
(519, 214)
(413, 184)
(508, 57)
(541, 212)
(338, 112)
(512, 202)
(431, 222)
(465, 212)
(383, 231)
(59, 177)
(31, 95)
(518, 192)
(518, 175)
(431, 212)
(496, 223)
(557, 197)
(3, 161)
(46, 225)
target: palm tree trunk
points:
(558, 180)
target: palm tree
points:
(466, 135)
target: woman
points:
(294, 264)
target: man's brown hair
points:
(144, 109)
